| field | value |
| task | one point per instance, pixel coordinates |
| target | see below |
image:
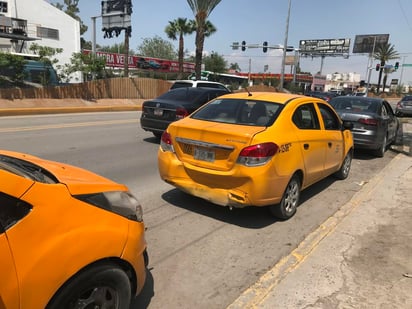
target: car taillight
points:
(166, 142)
(256, 155)
(181, 113)
(369, 121)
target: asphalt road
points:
(201, 255)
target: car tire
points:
(100, 286)
(290, 200)
(380, 152)
(399, 136)
(344, 170)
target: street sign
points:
(407, 65)
(235, 45)
(328, 47)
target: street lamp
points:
(94, 34)
(282, 74)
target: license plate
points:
(204, 155)
(158, 112)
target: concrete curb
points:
(258, 295)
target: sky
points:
(256, 21)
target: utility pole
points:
(403, 64)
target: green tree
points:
(157, 47)
(234, 66)
(215, 63)
(11, 69)
(92, 67)
(201, 10)
(116, 48)
(384, 53)
(176, 29)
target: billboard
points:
(367, 43)
(115, 60)
(328, 47)
(116, 16)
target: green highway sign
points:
(407, 65)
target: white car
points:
(360, 94)
(197, 84)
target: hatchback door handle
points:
(329, 144)
(306, 146)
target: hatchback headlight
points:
(122, 203)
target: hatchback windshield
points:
(240, 111)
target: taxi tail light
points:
(256, 155)
(166, 142)
(181, 113)
(369, 121)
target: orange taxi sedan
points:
(68, 238)
(256, 149)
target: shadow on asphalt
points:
(152, 140)
(248, 217)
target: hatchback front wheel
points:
(100, 286)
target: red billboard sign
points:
(115, 60)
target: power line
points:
(404, 14)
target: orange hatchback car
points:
(256, 149)
(68, 238)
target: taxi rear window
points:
(240, 111)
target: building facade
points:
(24, 22)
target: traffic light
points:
(396, 65)
(378, 66)
(265, 46)
(243, 45)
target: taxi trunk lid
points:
(211, 145)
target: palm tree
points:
(209, 29)
(201, 10)
(384, 53)
(178, 28)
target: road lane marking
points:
(67, 125)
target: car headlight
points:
(119, 202)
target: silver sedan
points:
(375, 125)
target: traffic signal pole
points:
(370, 61)
(282, 73)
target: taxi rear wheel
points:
(343, 172)
(101, 286)
(290, 200)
